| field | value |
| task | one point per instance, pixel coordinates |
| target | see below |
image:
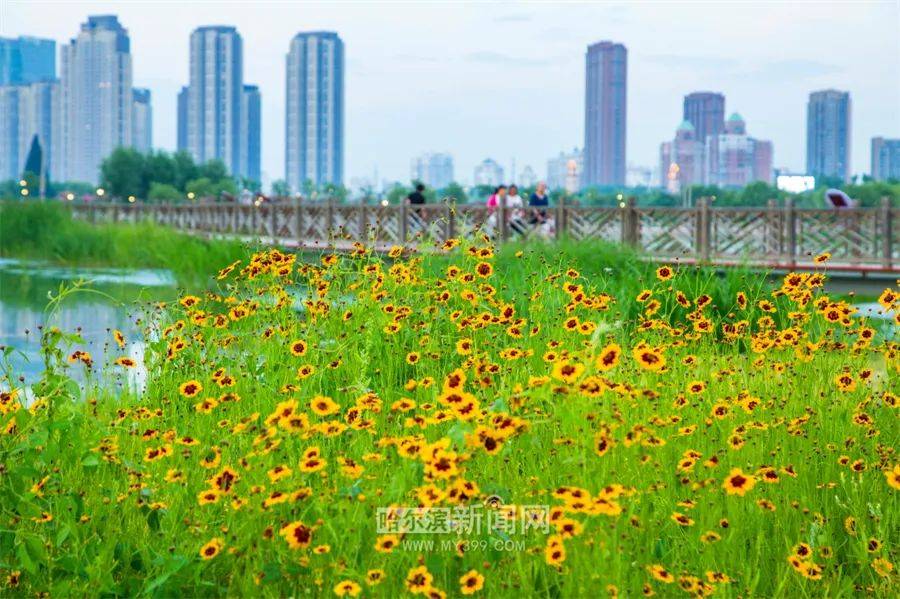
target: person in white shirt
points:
(515, 210)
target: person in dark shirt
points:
(539, 201)
(416, 197)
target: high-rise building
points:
(28, 113)
(706, 112)
(828, 134)
(735, 159)
(638, 176)
(9, 132)
(95, 97)
(885, 159)
(488, 172)
(214, 97)
(559, 170)
(314, 119)
(527, 178)
(433, 169)
(763, 159)
(680, 160)
(182, 117)
(26, 60)
(251, 133)
(141, 120)
(605, 114)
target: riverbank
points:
(46, 231)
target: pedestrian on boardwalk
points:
(539, 202)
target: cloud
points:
(415, 58)
(513, 18)
(671, 61)
(779, 70)
(498, 58)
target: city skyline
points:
(389, 87)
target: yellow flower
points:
(471, 582)
(212, 548)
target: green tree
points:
(226, 185)
(335, 192)
(757, 193)
(455, 192)
(214, 170)
(280, 188)
(185, 169)
(159, 167)
(35, 158)
(122, 173)
(163, 192)
(397, 194)
(250, 184)
(201, 188)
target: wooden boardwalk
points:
(776, 237)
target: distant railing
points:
(775, 235)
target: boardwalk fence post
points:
(404, 222)
(790, 231)
(772, 241)
(363, 220)
(630, 222)
(561, 217)
(273, 216)
(329, 220)
(451, 218)
(298, 220)
(702, 223)
(501, 215)
(887, 233)
(253, 209)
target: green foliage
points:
(280, 188)
(397, 194)
(46, 231)
(35, 158)
(455, 192)
(127, 172)
(122, 173)
(163, 192)
(111, 491)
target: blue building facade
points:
(314, 123)
(828, 134)
(214, 96)
(251, 133)
(25, 60)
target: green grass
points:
(46, 231)
(88, 509)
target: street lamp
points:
(131, 199)
(70, 196)
(191, 195)
(384, 202)
(22, 182)
(24, 191)
(100, 192)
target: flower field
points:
(463, 423)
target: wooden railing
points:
(861, 238)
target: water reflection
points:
(116, 301)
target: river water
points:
(116, 302)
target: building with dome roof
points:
(734, 159)
(681, 160)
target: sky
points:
(506, 80)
